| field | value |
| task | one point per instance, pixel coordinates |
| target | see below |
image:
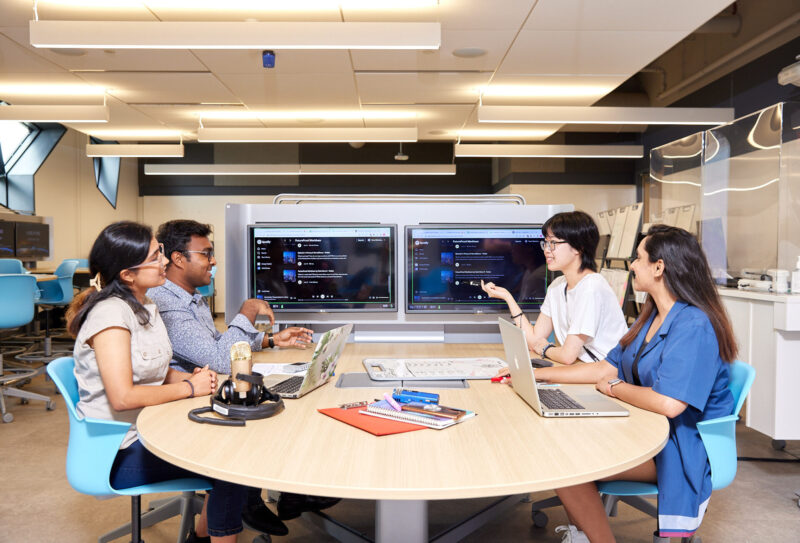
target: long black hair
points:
(687, 276)
(119, 246)
(580, 231)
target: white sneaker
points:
(571, 534)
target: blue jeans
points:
(137, 466)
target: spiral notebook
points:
(384, 410)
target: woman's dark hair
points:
(580, 231)
(688, 278)
(176, 235)
(118, 247)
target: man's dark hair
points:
(176, 235)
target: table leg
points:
(401, 521)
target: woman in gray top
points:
(122, 355)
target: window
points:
(12, 134)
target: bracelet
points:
(190, 386)
(544, 351)
(517, 315)
(271, 341)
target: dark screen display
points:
(6, 239)
(445, 265)
(32, 240)
(323, 268)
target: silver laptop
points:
(550, 401)
(323, 363)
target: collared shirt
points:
(192, 332)
(681, 361)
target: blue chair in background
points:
(56, 292)
(11, 265)
(208, 290)
(93, 445)
(719, 439)
(17, 297)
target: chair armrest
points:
(719, 440)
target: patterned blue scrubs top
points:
(681, 361)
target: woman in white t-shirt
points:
(579, 306)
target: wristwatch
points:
(611, 384)
(270, 340)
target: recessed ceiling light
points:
(67, 52)
(469, 52)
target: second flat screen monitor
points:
(445, 265)
(323, 267)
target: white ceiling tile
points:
(494, 42)
(65, 88)
(294, 91)
(286, 62)
(420, 87)
(14, 58)
(622, 14)
(585, 52)
(434, 122)
(15, 13)
(150, 87)
(111, 59)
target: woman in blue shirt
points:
(672, 361)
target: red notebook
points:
(374, 425)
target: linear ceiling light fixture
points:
(233, 35)
(604, 115)
(55, 114)
(299, 169)
(555, 151)
(249, 5)
(307, 115)
(306, 134)
(143, 150)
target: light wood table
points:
(506, 450)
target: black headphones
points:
(259, 403)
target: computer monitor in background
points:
(446, 263)
(32, 240)
(323, 267)
(6, 239)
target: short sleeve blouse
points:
(150, 356)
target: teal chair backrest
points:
(93, 443)
(59, 291)
(208, 290)
(11, 265)
(17, 293)
(719, 435)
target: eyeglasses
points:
(154, 260)
(208, 252)
(552, 245)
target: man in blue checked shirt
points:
(196, 342)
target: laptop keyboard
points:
(289, 386)
(553, 398)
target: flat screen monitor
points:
(32, 240)
(446, 263)
(6, 239)
(323, 268)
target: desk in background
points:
(506, 450)
(767, 329)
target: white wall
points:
(65, 190)
(588, 198)
(205, 209)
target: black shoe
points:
(261, 519)
(293, 505)
(194, 538)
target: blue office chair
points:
(17, 296)
(93, 444)
(11, 265)
(56, 292)
(719, 439)
(208, 290)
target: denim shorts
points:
(135, 466)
